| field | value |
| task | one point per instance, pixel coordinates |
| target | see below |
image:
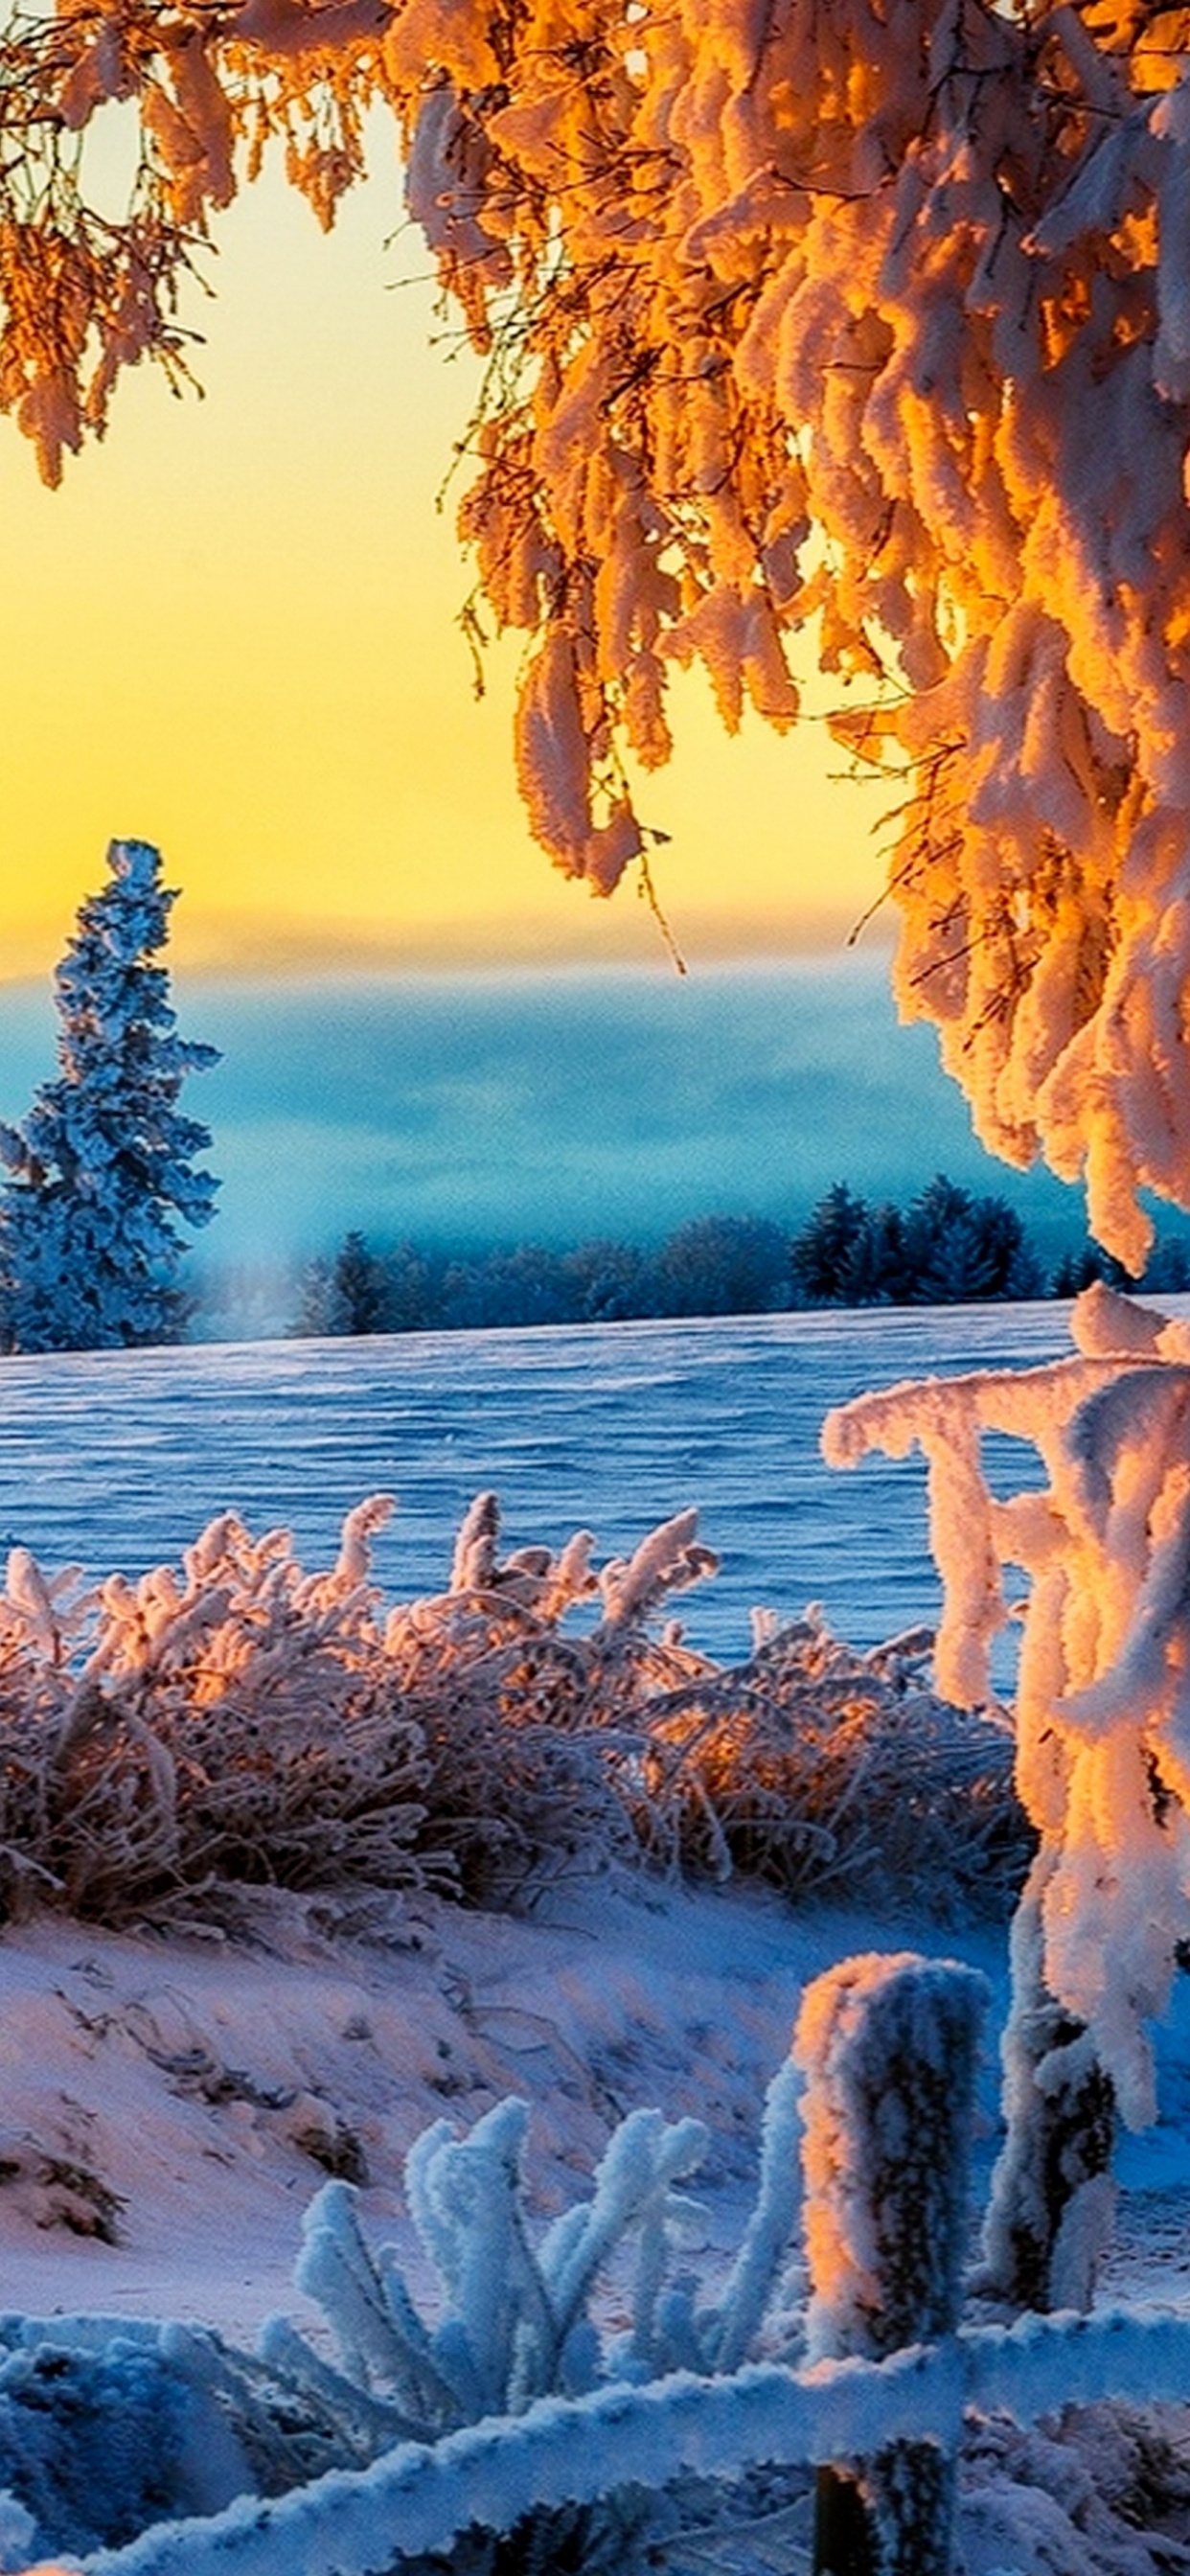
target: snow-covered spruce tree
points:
(344, 1296)
(359, 1287)
(103, 1163)
(723, 1265)
(315, 1306)
(957, 1247)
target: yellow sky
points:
(232, 632)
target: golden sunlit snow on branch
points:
(1103, 1743)
(873, 321)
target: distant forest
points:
(948, 1246)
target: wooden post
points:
(843, 2533)
(889, 2048)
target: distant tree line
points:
(949, 1246)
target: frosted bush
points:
(514, 2317)
(105, 2429)
(234, 1719)
(517, 2311)
(825, 1771)
(237, 1719)
(517, 1783)
(813, 1767)
(1099, 2491)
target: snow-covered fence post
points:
(888, 2047)
(1103, 1737)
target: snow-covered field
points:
(168, 2107)
(118, 1459)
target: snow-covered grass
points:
(234, 1720)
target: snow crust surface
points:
(115, 1459)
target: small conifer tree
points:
(347, 1295)
(359, 1288)
(103, 1163)
(847, 1253)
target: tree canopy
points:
(870, 321)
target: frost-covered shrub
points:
(516, 2316)
(104, 2429)
(107, 2428)
(518, 1805)
(236, 1720)
(1095, 2491)
(110, 2427)
(825, 1771)
(810, 1766)
(517, 1782)
(513, 2320)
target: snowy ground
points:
(119, 1458)
(169, 2106)
(188, 2077)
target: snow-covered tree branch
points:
(872, 325)
(1101, 1717)
(1100, 1708)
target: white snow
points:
(169, 2107)
(165, 2069)
(119, 1459)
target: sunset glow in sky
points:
(232, 632)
